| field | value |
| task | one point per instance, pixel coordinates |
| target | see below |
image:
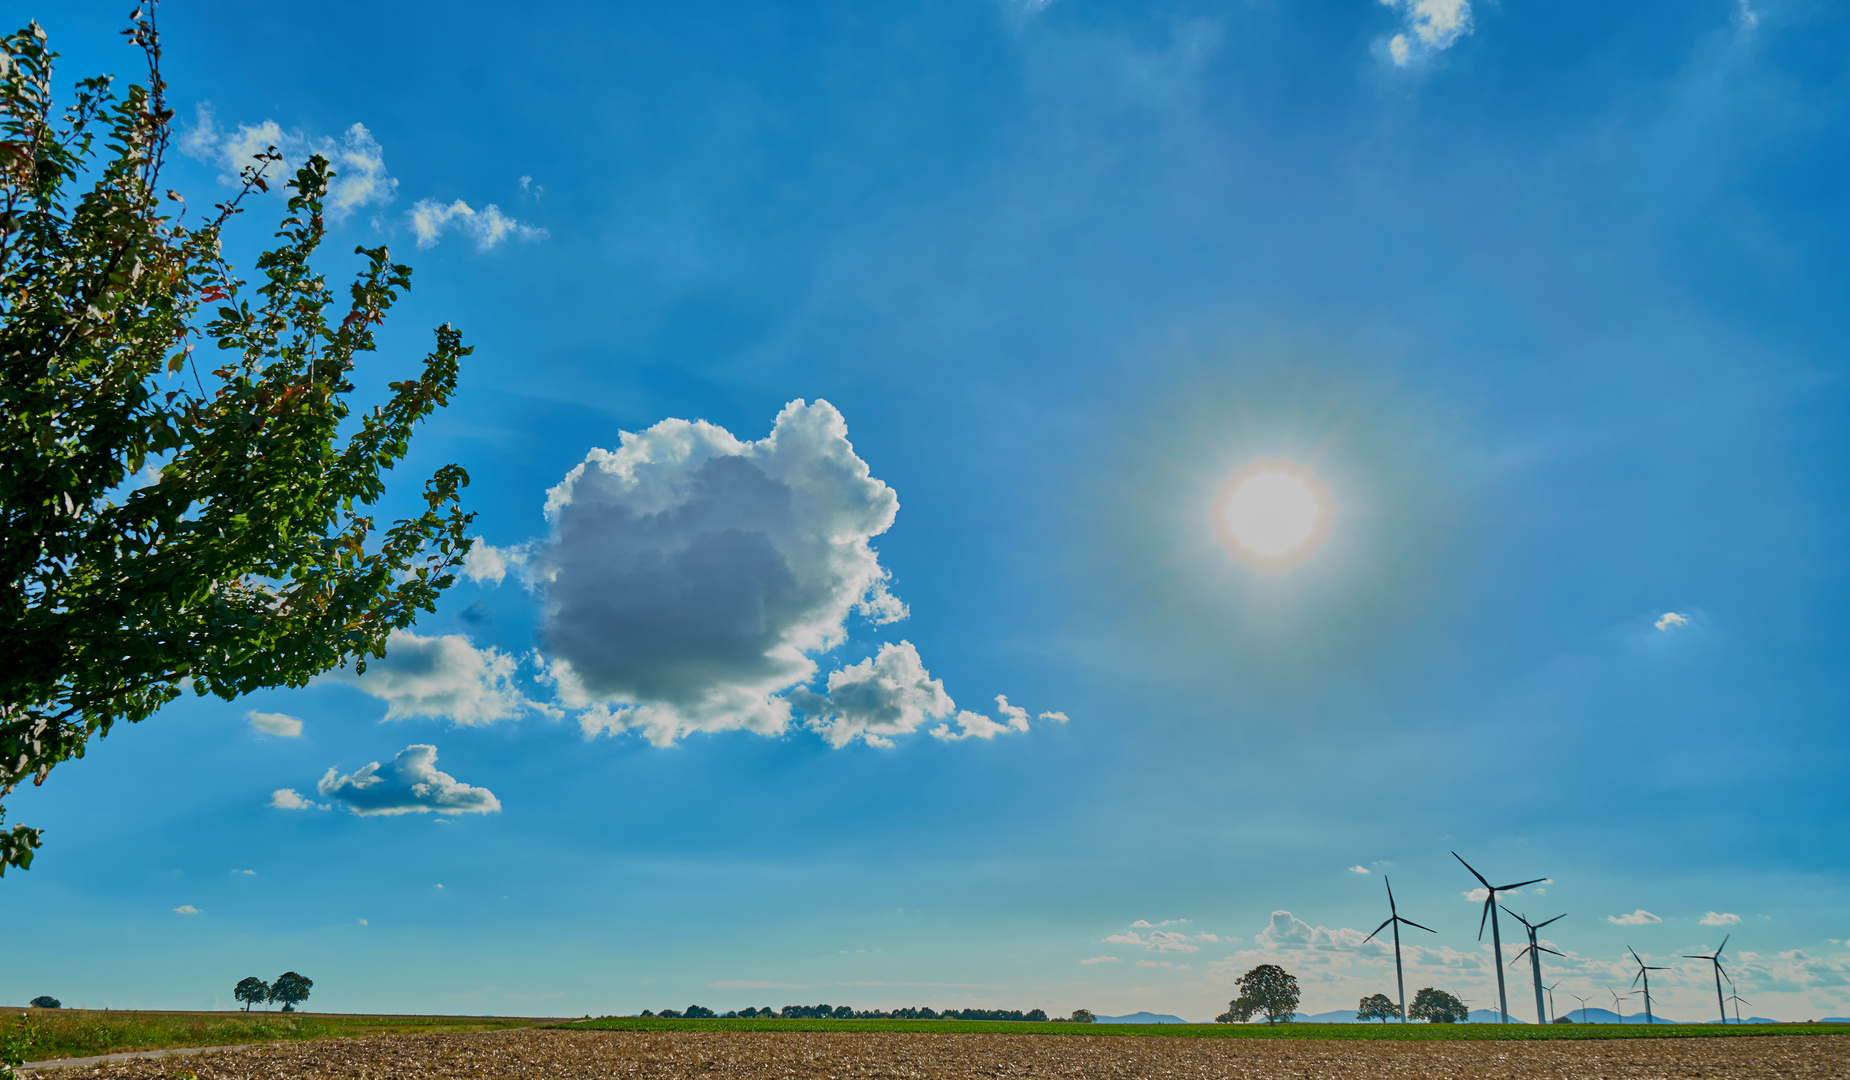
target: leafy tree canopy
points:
(1376, 1007)
(46, 1001)
(291, 989)
(1267, 989)
(163, 528)
(1438, 1007)
(251, 991)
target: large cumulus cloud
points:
(690, 575)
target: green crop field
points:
(1225, 1031)
(42, 1034)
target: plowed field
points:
(583, 1055)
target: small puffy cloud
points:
(1358, 868)
(487, 227)
(1053, 717)
(362, 922)
(246, 873)
(1207, 937)
(1641, 917)
(358, 162)
(1143, 924)
(972, 725)
(887, 694)
(271, 723)
(443, 677)
(1671, 620)
(1100, 960)
(1428, 26)
(1478, 896)
(290, 799)
(186, 909)
(690, 576)
(1719, 918)
(1287, 931)
(485, 562)
(410, 785)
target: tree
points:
(291, 989)
(46, 1001)
(1376, 1007)
(1267, 989)
(251, 991)
(243, 557)
(1438, 1007)
(1083, 1016)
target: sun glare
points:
(1273, 514)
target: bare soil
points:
(584, 1055)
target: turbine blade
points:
(1474, 873)
(1390, 887)
(1428, 929)
(1515, 916)
(1520, 884)
(1377, 930)
(1723, 947)
(1546, 949)
(1557, 918)
(1484, 918)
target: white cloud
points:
(362, 922)
(690, 575)
(271, 723)
(1746, 17)
(357, 160)
(1053, 717)
(1641, 917)
(485, 562)
(1287, 931)
(1478, 896)
(1719, 918)
(186, 909)
(246, 873)
(884, 695)
(1358, 868)
(1671, 620)
(290, 799)
(487, 226)
(1155, 940)
(410, 785)
(1143, 924)
(1100, 960)
(441, 677)
(1430, 26)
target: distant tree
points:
(668, 1014)
(46, 1001)
(291, 989)
(843, 1012)
(1438, 1007)
(698, 1012)
(1376, 1007)
(251, 991)
(1083, 1016)
(1036, 1015)
(646, 1012)
(729, 1015)
(1267, 989)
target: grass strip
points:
(1428, 1032)
(43, 1034)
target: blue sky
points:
(791, 320)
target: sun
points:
(1273, 514)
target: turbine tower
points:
(1716, 959)
(1644, 972)
(1394, 919)
(1496, 935)
(1551, 998)
(1535, 951)
(1617, 1010)
(1583, 1006)
(1738, 1002)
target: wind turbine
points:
(1496, 935)
(1738, 1002)
(1551, 996)
(1716, 959)
(1644, 972)
(1395, 920)
(1583, 1006)
(1617, 1009)
(1535, 951)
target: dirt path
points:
(585, 1055)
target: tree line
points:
(846, 1012)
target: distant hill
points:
(1607, 1016)
(1140, 1018)
(1340, 1016)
